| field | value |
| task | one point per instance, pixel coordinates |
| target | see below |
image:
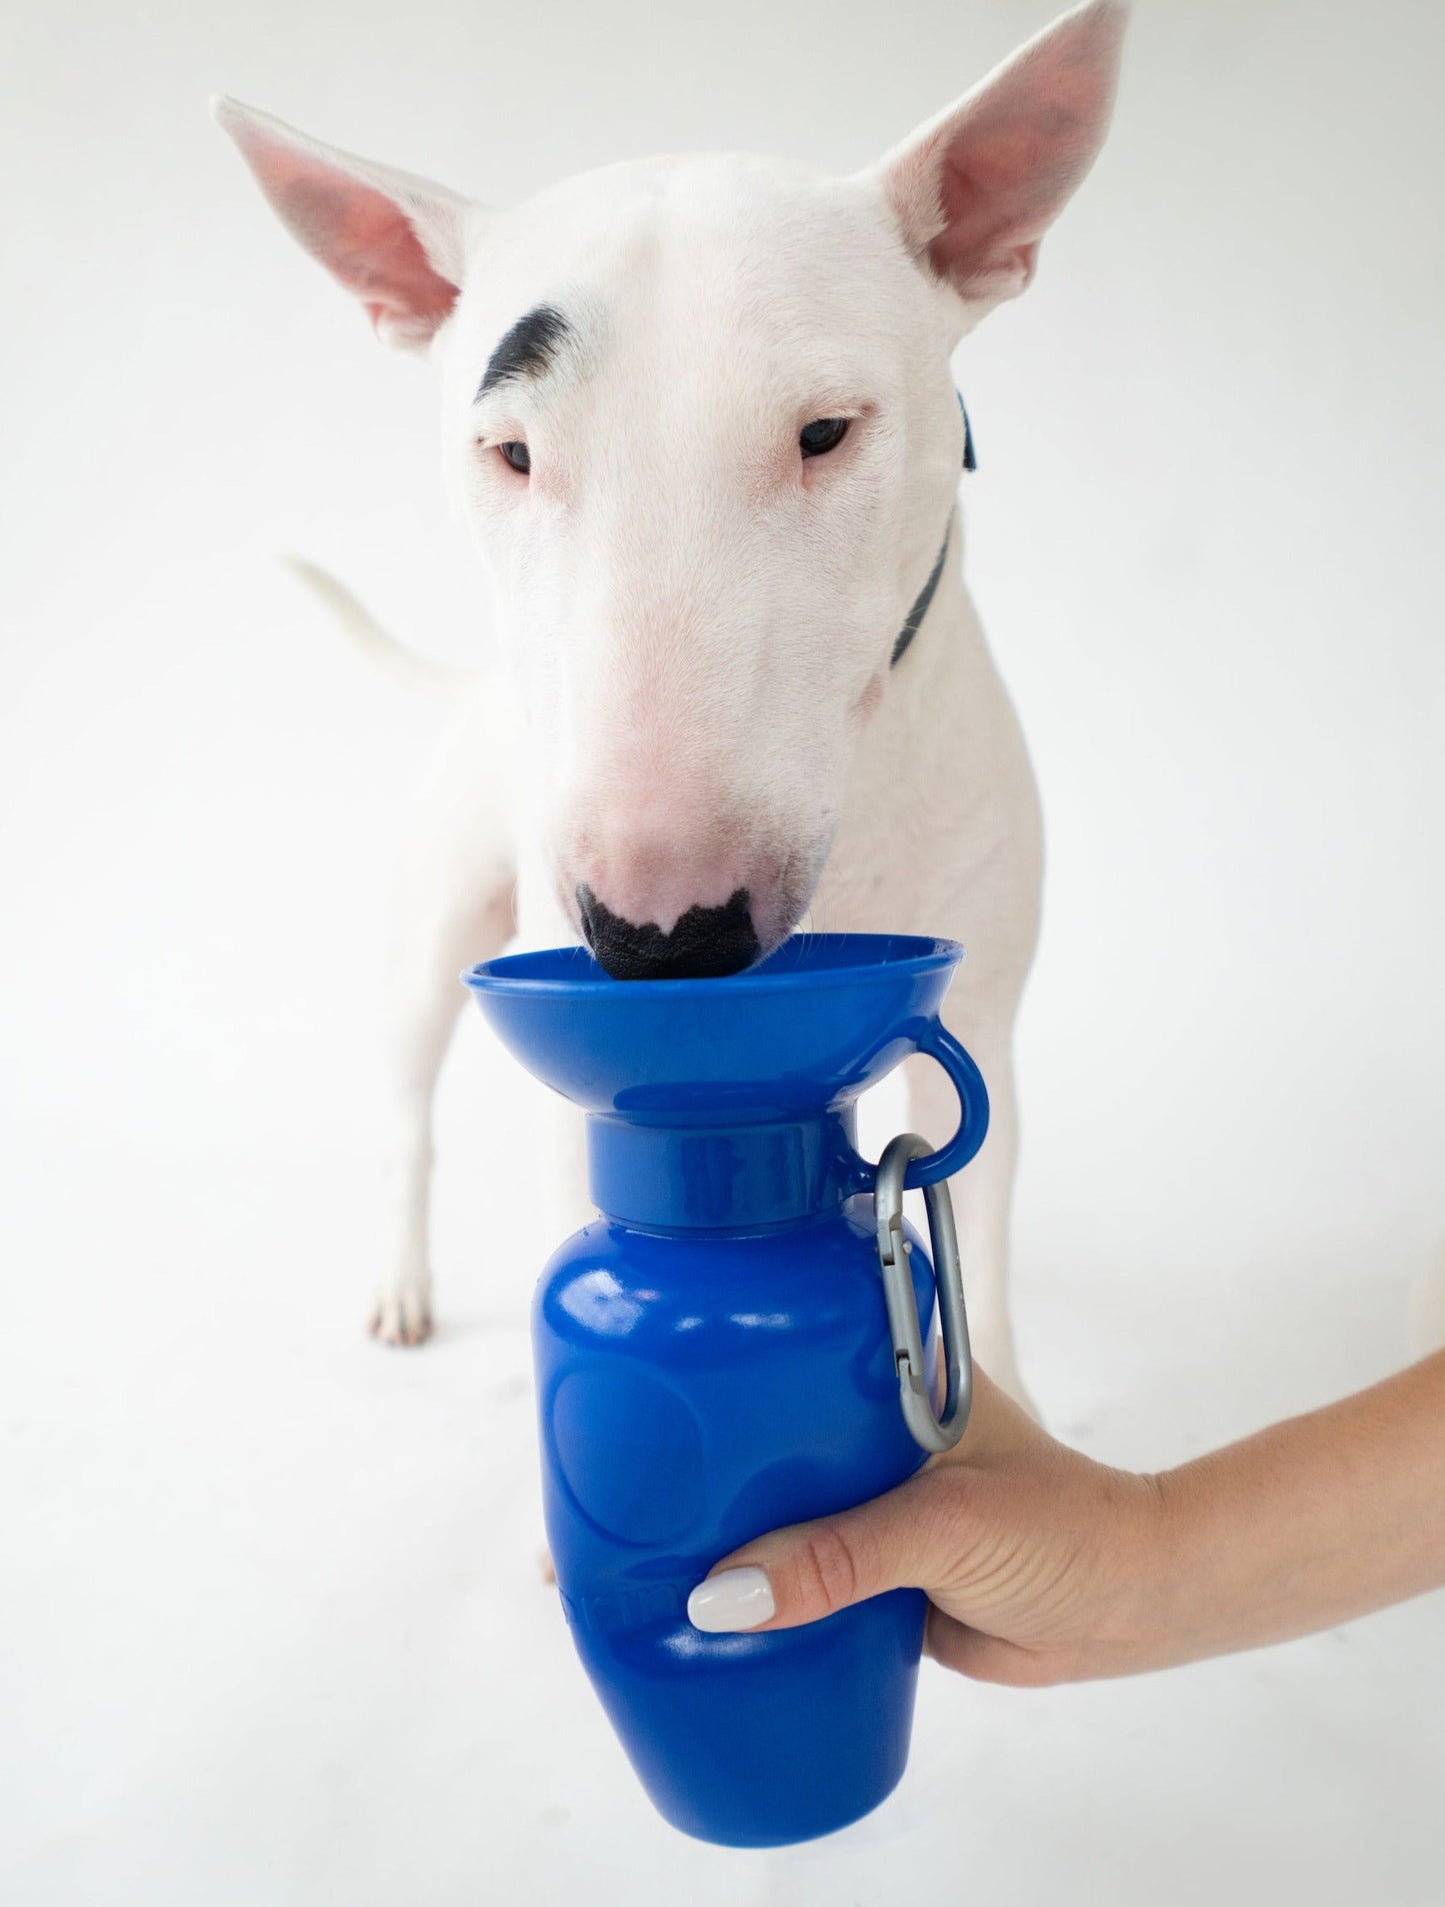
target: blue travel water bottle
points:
(726, 1350)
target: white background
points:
(272, 1625)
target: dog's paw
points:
(1018, 1391)
(402, 1316)
(1004, 1373)
(993, 1351)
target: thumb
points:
(809, 1570)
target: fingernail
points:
(733, 1599)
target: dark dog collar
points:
(926, 594)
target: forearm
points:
(1309, 1523)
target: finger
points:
(810, 1570)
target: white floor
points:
(277, 1633)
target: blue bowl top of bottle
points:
(823, 1017)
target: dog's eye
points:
(518, 456)
(822, 435)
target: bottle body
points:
(696, 1389)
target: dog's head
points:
(701, 424)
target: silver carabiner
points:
(932, 1433)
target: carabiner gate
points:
(932, 1433)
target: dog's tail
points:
(394, 659)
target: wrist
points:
(1196, 1588)
(1169, 1583)
(1148, 1618)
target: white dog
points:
(701, 424)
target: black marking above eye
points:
(822, 435)
(517, 455)
(528, 349)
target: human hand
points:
(1037, 1561)
(1043, 1566)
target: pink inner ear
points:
(362, 237)
(999, 188)
(1018, 150)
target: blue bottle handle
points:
(957, 1062)
(938, 1043)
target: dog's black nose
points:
(706, 941)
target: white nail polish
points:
(733, 1599)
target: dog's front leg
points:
(452, 904)
(424, 999)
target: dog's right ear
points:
(394, 241)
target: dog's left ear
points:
(976, 188)
(395, 241)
